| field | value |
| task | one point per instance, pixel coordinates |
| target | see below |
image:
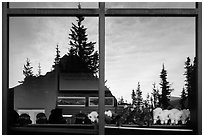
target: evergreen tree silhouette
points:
(85, 59)
(133, 97)
(166, 90)
(57, 58)
(138, 96)
(183, 99)
(39, 70)
(193, 94)
(194, 79)
(188, 78)
(147, 101)
(155, 95)
(191, 82)
(27, 70)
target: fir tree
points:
(81, 50)
(57, 59)
(147, 101)
(183, 99)
(138, 99)
(39, 70)
(188, 72)
(151, 103)
(165, 87)
(194, 76)
(188, 78)
(193, 93)
(191, 82)
(133, 97)
(155, 95)
(27, 70)
(159, 100)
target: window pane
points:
(52, 4)
(150, 4)
(142, 53)
(47, 71)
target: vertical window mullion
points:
(198, 40)
(5, 68)
(101, 66)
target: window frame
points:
(101, 12)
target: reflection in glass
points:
(145, 67)
(54, 69)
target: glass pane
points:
(150, 4)
(142, 55)
(53, 67)
(52, 4)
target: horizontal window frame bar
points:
(151, 12)
(149, 128)
(51, 12)
(109, 12)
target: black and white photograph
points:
(102, 68)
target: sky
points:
(135, 47)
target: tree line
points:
(80, 58)
(161, 98)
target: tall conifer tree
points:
(188, 78)
(27, 70)
(57, 57)
(183, 99)
(133, 97)
(166, 90)
(39, 70)
(155, 95)
(138, 99)
(147, 101)
(81, 49)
